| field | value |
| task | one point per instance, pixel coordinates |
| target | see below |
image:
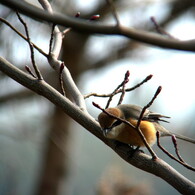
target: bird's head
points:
(107, 122)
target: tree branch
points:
(36, 69)
(140, 160)
(114, 12)
(86, 26)
(55, 63)
(120, 90)
(22, 36)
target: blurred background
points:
(43, 151)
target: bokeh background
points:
(42, 149)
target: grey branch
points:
(83, 25)
(56, 64)
(142, 161)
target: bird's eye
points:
(116, 123)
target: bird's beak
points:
(106, 131)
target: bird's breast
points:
(129, 135)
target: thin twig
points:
(126, 80)
(110, 98)
(30, 71)
(56, 33)
(154, 156)
(148, 105)
(119, 91)
(159, 29)
(114, 12)
(141, 83)
(22, 36)
(114, 93)
(170, 155)
(94, 17)
(62, 64)
(66, 31)
(111, 115)
(51, 39)
(61, 79)
(77, 15)
(38, 73)
(174, 140)
(140, 119)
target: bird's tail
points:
(165, 132)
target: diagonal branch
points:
(55, 63)
(37, 71)
(141, 117)
(83, 25)
(120, 90)
(174, 140)
(139, 160)
(171, 156)
(126, 80)
(22, 36)
(122, 84)
(111, 3)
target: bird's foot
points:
(133, 150)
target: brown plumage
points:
(117, 130)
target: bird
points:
(118, 130)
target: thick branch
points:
(139, 160)
(86, 26)
(56, 64)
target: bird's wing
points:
(155, 117)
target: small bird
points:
(118, 130)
